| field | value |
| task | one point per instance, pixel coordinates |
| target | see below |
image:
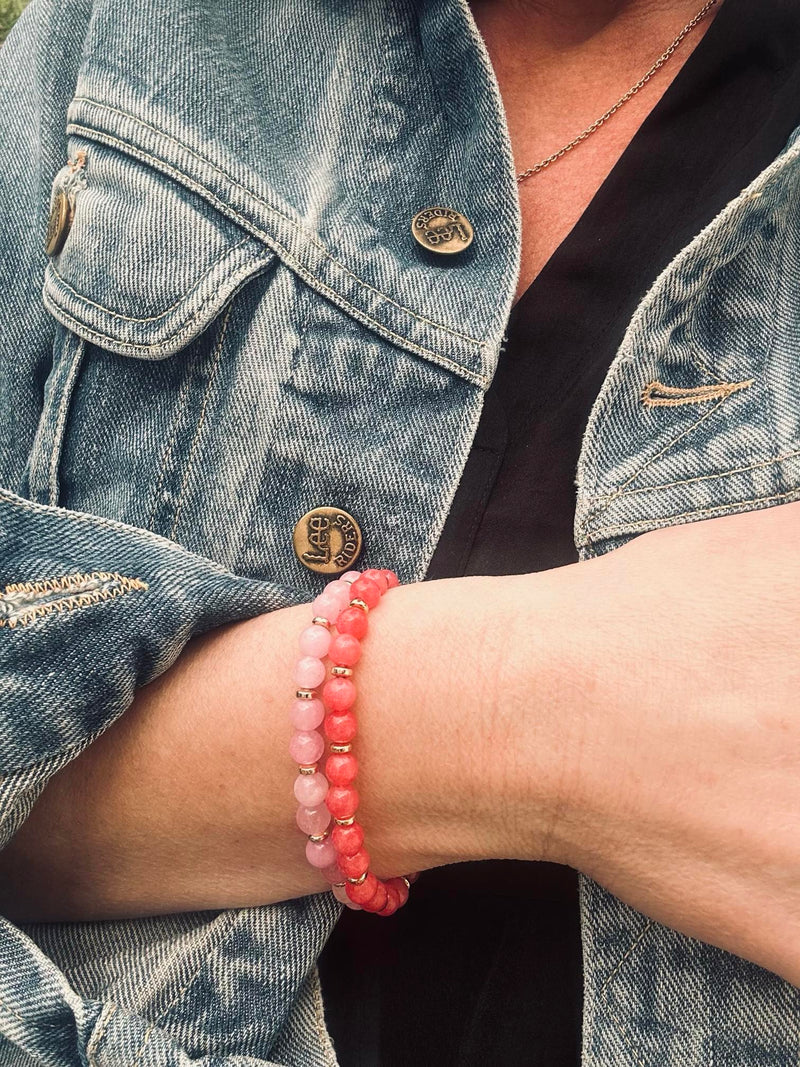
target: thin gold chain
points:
(634, 89)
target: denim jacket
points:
(238, 328)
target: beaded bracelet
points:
(338, 853)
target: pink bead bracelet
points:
(338, 852)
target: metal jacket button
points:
(58, 224)
(327, 540)
(442, 230)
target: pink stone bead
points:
(306, 747)
(310, 790)
(339, 589)
(307, 714)
(340, 892)
(333, 873)
(313, 820)
(345, 650)
(351, 576)
(309, 672)
(320, 853)
(315, 641)
(326, 606)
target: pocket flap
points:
(147, 264)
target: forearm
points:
(186, 802)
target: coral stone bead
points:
(310, 790)
(367, 590)
(348, 840)
(354, 866)
(359, 893)
(341, 729)
(378, 901)
(378, 577)
(353, 621)
(313, 820)
(345, 650)
(395, 884)
(340, 892)
(309, 672)
(306, 747)
(339, 694)
(342, 801)
(315, 641)
(341, 768)
(320, 853)
(392, 901)
(391, 579)
(307, 714)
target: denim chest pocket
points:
(204, 389)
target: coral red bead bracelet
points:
(338, 850)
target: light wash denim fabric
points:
(240, 327)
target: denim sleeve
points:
(90, 608)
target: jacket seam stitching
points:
(699, 478)
(315, 240)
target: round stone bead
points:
(340, 590)
(378, 577)
(351, 576)
(348, 840)
(392, 901)
(315, 641)
(378, 901)
(307, 714)
(328, 607)
(313, 820)
(320, 853)
(309, 672)
(342, 801)
(354, 866)
(306, 747)
(367, 590)
(333, 873)
(360, 893)
(392, 580)
(353, 621)
(340, 892)
(399, 887)
(345, 650)
(310, 790)
(341, 729)
(339, 694)
(341, 768)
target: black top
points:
(483, 964)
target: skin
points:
(633, 716)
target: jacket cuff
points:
(91, 608)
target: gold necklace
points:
(634, 89)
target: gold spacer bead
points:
(316, 838)
(360, 880)
(305, 694)
(341, 748)
(340, 885)
(345, 822)
(310, 768)
(342, 672)
(408, 884)
(358, 603)
(320, 620)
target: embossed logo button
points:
(327, 540)
(442, 230)
(58, 224)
